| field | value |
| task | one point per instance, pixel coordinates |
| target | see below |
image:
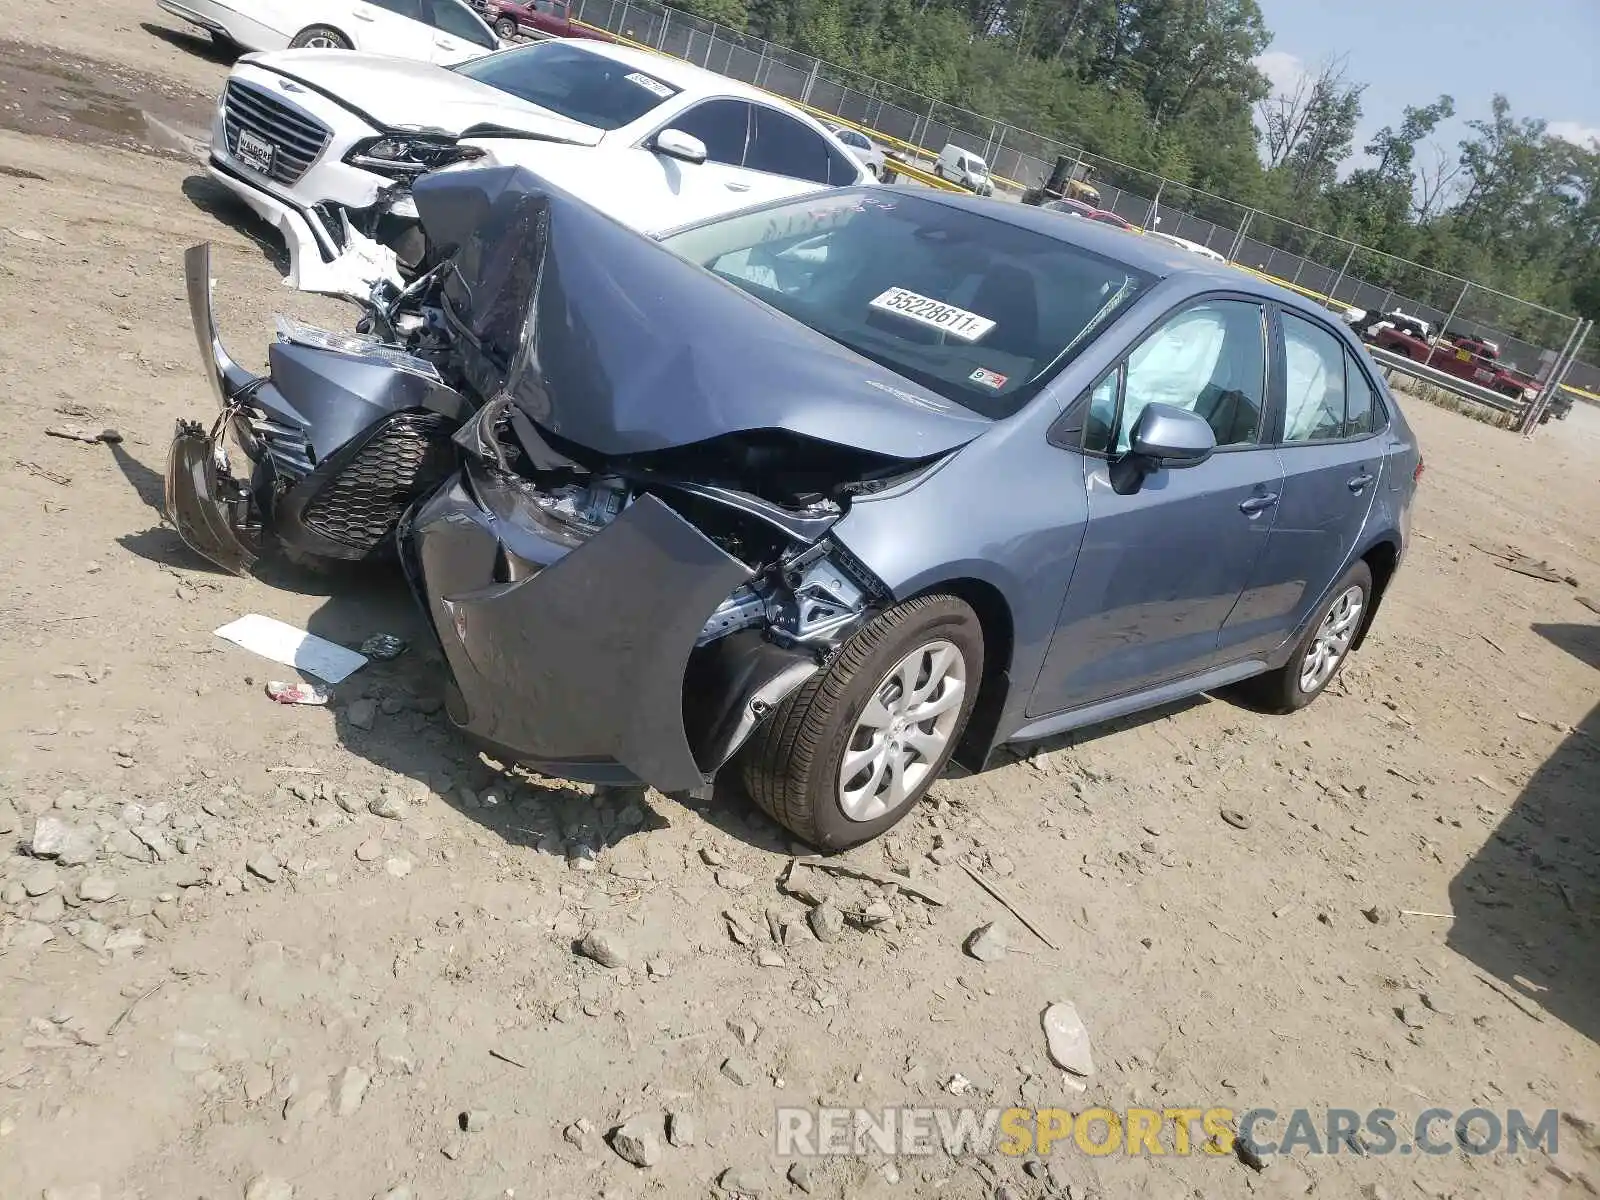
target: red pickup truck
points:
(537, 19)
(1463, 355)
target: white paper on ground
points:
(293, 647)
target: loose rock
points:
(1235, 818)
(987, 943)
(40, 880)
(96, 888)
(474, 1120)
(740, 1070)
(637, 1143)
(680, 1128)
(305, 1106)
(1067, 1040)
(580, 1134)
(827, 921)
(604, 948)
(361, 713)
(734, 881)
(70, 845)
(744, 1030)
(349, 1087)
(388, 805)
(800, 1176)
(268, 1187)
(741, 1182)
(265, 866)
(369, 850)
(398, 867)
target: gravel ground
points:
(247, 948)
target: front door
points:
(1161, 569)
(458, 34)
(1332, 452)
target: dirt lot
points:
(252, 976)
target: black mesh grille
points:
(408, 457)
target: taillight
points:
(1416, 474)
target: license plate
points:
(255, 152)
(947, 318)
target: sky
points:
(1543, 54)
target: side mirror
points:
(1162, 437)
(675, 143)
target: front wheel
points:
(506, 27)
(319, 37)
(853, 751)
(1322, 650)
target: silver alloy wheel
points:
(1333, 638)
(321, 41)
(903, 731)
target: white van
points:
(964, 167)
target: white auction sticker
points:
(936, 314)
(989, 379)
(648, 84)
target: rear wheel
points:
(506, 27)
(320, 37)
(1323, 649)
(854, 750)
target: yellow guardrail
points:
(921, 175)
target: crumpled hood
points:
(398, 94)
(607, 339)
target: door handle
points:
(445, 44)
(1357, 482)
(737, 187)
(359, 15)
(1257, 504)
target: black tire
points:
(320, 35)
(791, 766)
(506, 27)
(1281, 690)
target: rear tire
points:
(921, 657)
(506, 27)
(1322, 650)
(319, 37)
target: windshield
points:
(572, 83)
(977, 310)
(976, 165)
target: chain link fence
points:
(1339, 273)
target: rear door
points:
(1160, 570)
(1328, 429)
(393, 27)
(786, 157)
(458, 35)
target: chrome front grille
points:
(297, 137)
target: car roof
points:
(685, 76)
(1153, 256)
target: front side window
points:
(572, 82)
(1211, 360)
(979, 311)
(724, 127)
(453, 17)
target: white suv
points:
(437, 31)
(324, 144)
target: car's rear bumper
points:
(228, 22)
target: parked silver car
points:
(867, 152)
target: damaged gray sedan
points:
(830, 492)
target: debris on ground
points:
(1067, 1040)
(283, 643)
(297, 693)
(384, 647)
(987, 943)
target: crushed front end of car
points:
(321, 456)
(632, 567)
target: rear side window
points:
(1360, 402)
(782, 145)
(723, 125)
(403, 8)
(1314, 397)
(450, 16)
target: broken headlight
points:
(357, 345)
(402, 155)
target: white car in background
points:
(437, 31)
(859, 144)
(324, 144)
(1186, 244)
